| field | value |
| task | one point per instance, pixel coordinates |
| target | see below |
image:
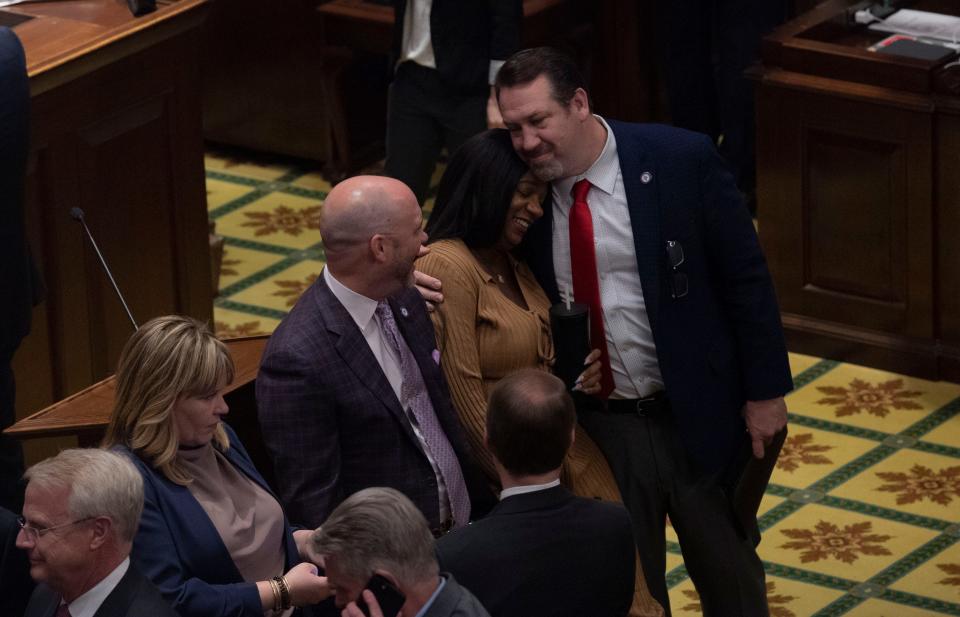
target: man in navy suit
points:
(446, 54)
(20, 284)
(542, 550)
(80, 514)
(648, 228)
(350, 393)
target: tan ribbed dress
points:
(482, 337)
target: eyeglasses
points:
(679, 284)
(34, 533)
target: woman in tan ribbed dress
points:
(495, 316)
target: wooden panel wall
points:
(123, 142)
(848, 224)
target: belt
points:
(443, 529)
(652, 405)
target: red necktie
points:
(586, 286)
(63, 611)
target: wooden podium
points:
(85, 415)
(115, 130)
(858, 188)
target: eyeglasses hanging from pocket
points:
(679, 284)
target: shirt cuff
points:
(494, 69)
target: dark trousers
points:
(708, 46)
(11, 452)
(423, 116)
(649, 463)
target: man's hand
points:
(764, 420)
(352, 610)
(494, 119)
(589, 380)
(428, 286)
(304, 541)
(305, 586)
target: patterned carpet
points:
(863, 514)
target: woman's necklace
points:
(495, 263)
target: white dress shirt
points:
(633, 354)
(416, 44)
(363, 311)
(529, 488)
(89, 603)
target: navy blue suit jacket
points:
(179, 549)
(722, 344)
(331, 421)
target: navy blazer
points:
(332, 422)
(134, 596)
(20, 284)
(180, 550)
(15, 581)
(466, 35)
(722, 344)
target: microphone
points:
(77, 215)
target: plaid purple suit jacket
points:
(331, 421)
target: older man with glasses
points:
(80, 513)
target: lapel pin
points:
(403, 311)
(646, 177)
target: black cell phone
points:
(388, 597)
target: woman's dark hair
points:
(476, 190)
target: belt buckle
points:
(641, 402)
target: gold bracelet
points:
(276, 595)
(284, 592)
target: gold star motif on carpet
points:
(775, 601)
(827, 540)
(283, 219)
(800, 449)
(876, 399)
(226, 331)
(292, 290)
(921, 483)
(954, 570)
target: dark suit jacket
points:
(547, 553)
(15, 581)
(331, 421)
(20, 284)
(466, 36)
(134, 596)
(455, 601)
(722, 344)
(180, 550)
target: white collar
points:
(529, 488)
(89, 603)
(360, 307)
(603, 172)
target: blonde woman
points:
(213, 537)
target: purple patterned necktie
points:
(63, 611)
(414, 396)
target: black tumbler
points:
(571, 340)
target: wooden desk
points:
(115, 130)
(858, 185)
(85, 415)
